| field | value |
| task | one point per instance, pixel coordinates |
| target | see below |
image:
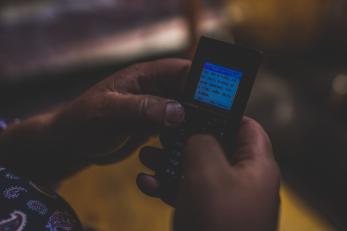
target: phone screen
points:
(218, 86)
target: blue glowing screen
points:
(218, 86)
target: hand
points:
(92, 126)
(218, 196)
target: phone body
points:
(215, 97)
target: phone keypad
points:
(170, 173)
(173, 141)
(173, 160)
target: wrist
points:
(29, 130)
(30, 150)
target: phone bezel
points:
(228, 55)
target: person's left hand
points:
(216, 193)
(90, 127)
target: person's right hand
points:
(103, 125)
(218, 196)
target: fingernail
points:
(174, 114)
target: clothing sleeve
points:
(25, 205)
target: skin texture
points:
(135, 100)
(216, 195)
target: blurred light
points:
(43, 12)
(284, 112)
(165, 36)
(236, 13)
(339, 84)
(272, 100)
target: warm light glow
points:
(339, 84)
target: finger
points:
(252, 142)
(164, 77)
(148, 184)
(203, 154)
(254, 157)
(146, 110)
(151, 157)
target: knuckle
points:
(137, 70)
(186, 64)
(144, 105)
(263, 137)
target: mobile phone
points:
(215, 97)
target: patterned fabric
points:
(25, 205)
(3, 125)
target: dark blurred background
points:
(52, 50)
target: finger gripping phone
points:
(215, 97)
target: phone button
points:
(174, 162)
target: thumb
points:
(253, 143)
(147, 110)
(204, 156)
(204, 153)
